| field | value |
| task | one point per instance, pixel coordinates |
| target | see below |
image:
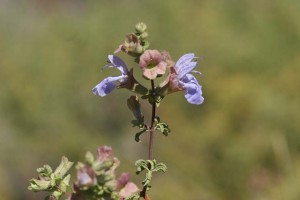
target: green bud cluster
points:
(56, 182)
(135, 43)
(141, 31)
(96, 179)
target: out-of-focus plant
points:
(96, 177)
(53, 181)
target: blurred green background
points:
(243, 143)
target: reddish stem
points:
(151, 140)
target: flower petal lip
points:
(110, 83)
(184, 67)
(118, 63)
(185, 64)
(107, 85)
(150, 55)
(150, 74)
(193, 91)
(153, 63)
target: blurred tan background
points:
(243, 143)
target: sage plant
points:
(96, 178)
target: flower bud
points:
(140, 27)
(144, 35)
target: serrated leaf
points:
(160, 167)
(163, 127)
(151, 164)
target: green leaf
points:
(39, 185)
(101, 166)
(57, 195)
(162, 126)
(65, 183)
(135, 107)
(89, 157)
(160, 167)
(150, 166)
(138, 135)
(45, 171)
(135, 196)
(63, 167)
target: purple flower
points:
(110, 83)
(180, 78)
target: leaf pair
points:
(149, 166)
